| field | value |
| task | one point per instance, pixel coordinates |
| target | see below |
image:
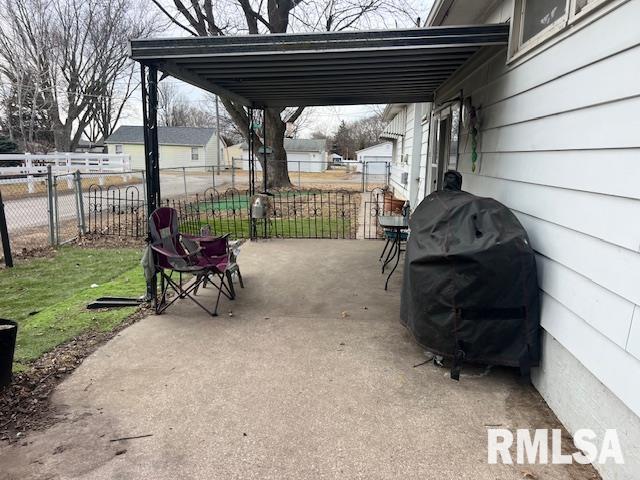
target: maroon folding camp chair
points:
(177, 253)
(215, 247)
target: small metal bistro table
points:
(397, 223)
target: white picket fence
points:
(32, 166)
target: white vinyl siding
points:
(211, 159)
(559, 145)
(399, 164)
(171, 156)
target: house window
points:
(580, 7)
(535, 21)
(538, 15)
(194, 154)
(118, 148)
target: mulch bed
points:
(25, 405)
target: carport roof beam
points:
(385, 66)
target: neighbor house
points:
(179, 146)
(87, 146)
(407, 129)
(549, 127)
(376, 158)
(303, 154)
(234, 154)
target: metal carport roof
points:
(337, 68)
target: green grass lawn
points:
(48, 296)
(309, 227)
(241, 201)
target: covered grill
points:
(470, 288)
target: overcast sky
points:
(324, 119)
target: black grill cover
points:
(470, 286)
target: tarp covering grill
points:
(470, 288)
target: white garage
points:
(376, 157)
(303, 154)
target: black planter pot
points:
(8, 331)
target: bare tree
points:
(199, 18)
(24, 71)
(174, 110)
(76, 54)
(350, 137)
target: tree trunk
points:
(277, 168)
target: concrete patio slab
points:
(312, 376)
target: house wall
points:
(559, 145)
(234, 152)
(398, 164)
(407, 154)
(296, 161)
(377, 158)
(171, 156)
(211, 159)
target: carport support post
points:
(252, 178)
(264, 148)
(149, 87)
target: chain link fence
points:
(305, 174)
(47, 210)
(41, 211)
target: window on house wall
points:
(535, 21)
(538, 15)
(194, 154)
(580, 7)
(118, 148)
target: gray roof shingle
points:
(166, 135)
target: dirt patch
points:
(25, 405)
(37, 252)
(87, 241)
(110, 241)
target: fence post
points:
(364, 173)
(100, 169)
(299, 177)
(52, 234)
(144, 193)
(233, 173)
(28, 163)
(4, 235)
(388, 172)
(213, 176)
(55, 210)
(184, 180)
(79, 203)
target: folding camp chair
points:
(217, 247)
(172, 256)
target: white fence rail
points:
(31, 166)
